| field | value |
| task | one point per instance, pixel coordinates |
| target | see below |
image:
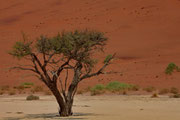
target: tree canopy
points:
(50, 56)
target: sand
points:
(112, 107)
(144, 34)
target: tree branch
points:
(35, 58)
(42, 78)
(48, 61)
(67, 74)
(21, 68)
(62, 67)
(100, 71)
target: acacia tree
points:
(51, 58)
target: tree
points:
(51, 58)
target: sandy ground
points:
(92, 108)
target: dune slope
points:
(143, 33)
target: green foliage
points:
(108, 58)
(26, 85)
(32, 97)
(113, 87)
(171, 67)
(44, 44)
(21, 49)
(97, 89)
(23, 86)
(77, 45)
(117, 86)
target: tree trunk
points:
(65, 107)
(67, 110)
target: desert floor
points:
(92, 108)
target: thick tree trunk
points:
(67, 110)
(65, 107)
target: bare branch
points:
(21, 68)
(35, 58)
(25, 65)
(48, 61)
(42, 78)
(62, 67)
(70, 67)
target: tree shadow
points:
(53, 116)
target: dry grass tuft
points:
(32, 97)
(154, 95)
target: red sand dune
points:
(145, 34)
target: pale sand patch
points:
(93, 108)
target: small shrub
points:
(1, 92)
(27, 85)
(117, 86)
(164, 91)
(97, 89)
(96, 92)
(175, 96)
(171, 67)
(149, 89)
(135, 88)
(174, 90)
(11, 93)
(124, 93)
(154, 95)
(19, 112)
(32, 97)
